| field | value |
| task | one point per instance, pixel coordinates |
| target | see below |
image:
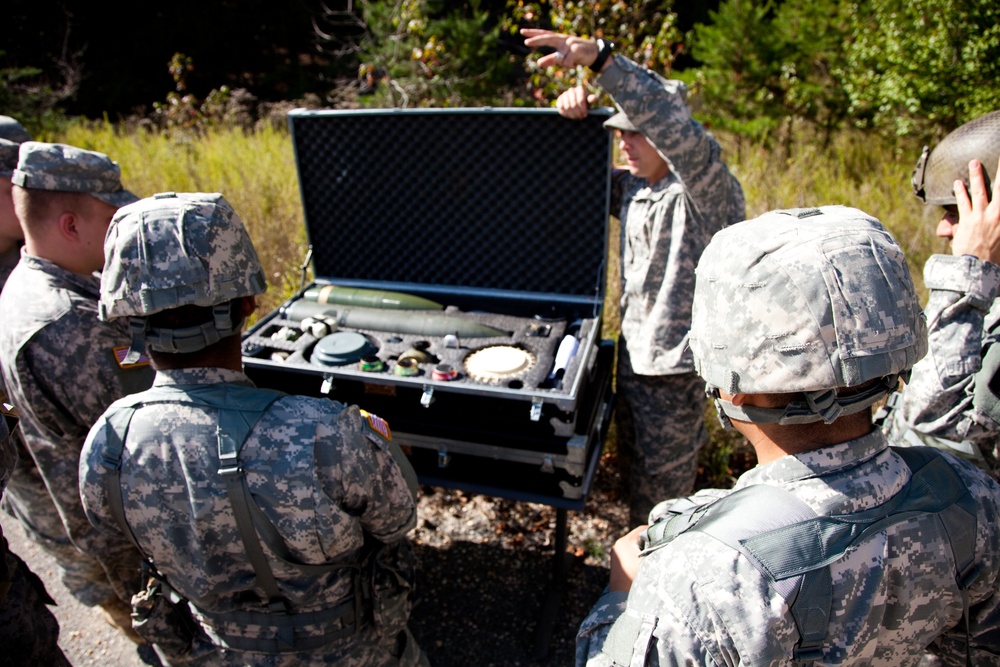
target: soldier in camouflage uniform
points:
(668, 213)
(28, 631)
(950, 401)
(331, 495)
(27, 627)
(59, 361)
(836, 548)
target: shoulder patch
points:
(120, 353)
(377, 424)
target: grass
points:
(256, 172)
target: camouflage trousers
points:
(27, 500)
(28, 629)
(660, 427)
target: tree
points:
(646, 32)
(432, 53)
(923, 66)
(767, 65)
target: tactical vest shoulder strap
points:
(793, 547)
(240, 408)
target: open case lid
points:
(457, 200)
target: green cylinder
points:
(369, 298)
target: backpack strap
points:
(239, 409)
(793, 547)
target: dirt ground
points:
(485, 581)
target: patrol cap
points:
(805, 300)
(58, 167)
(620, 121)
(937, 170)
(8, 157)
(11, 130)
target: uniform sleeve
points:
(375, 484)
(963, 325)
(657, 106)
(104, 539)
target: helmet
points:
(173, 250)
(937, 170)
(805, 301)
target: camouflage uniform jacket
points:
(323, 477)
(704, 603)
(60, 370)
(963, 321)
(663, 235)
(658, 108)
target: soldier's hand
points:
(625, 560)
(570, 49)
(575, 102)
(978, 229)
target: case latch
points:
(536, 409)
(327, 385)
(444, 458)
(428, 397)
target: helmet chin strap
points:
(820, 406)
(185, 339)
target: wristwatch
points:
(604, 49)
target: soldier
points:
(675, 193)
(950, 402)
(59, 361)
(212, 467)
(28, 630)
(836, 548)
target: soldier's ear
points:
(68, 226)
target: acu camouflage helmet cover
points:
(805, 300)
(937, 170)
(174, 250)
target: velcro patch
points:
(120, 353)
(377, 424)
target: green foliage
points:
(28, 97)
(767, 65)
(645, 32)
(182, 111)
(924, 66)
(254, 169)
(420, 53)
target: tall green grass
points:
(256, 172)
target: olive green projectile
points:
(370, 298)
(374, 319)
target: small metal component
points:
(371, 364)
(327, 385)
(427, 397)
(444, 458)
(536, 409)
(444, 373)
(406, 367)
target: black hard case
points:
(501, 215)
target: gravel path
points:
(485, 571)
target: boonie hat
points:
(11, 130)
(621, 122)
(8, 157)
(62, 168)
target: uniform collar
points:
(189, 376)
(818, 462)
(83, 284)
